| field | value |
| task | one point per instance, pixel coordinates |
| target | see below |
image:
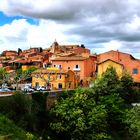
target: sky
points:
(101, 25)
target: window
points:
(60, 76)
(44, 65)
(69, 85)
(135, 71)
(76, 66)
(59, 85)
(37, 84)
(37, 76)
(58, 66)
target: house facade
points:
(102, 67)
(54, 78)
(130, 64)
(84, 67)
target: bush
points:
(9, 129)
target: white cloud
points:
(102, 24)
(46, 32)
(21, 34)
(15, 28)
(13, 35)
(113, 45)
(134, 24)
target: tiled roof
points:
(72, 58)
(110, 60)
(116, 51)
(20, 60)
(29, 53)
(37, 56)
(50, 71)
(67, 54)
(93, 55)
(68, 46)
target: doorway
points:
(60, 85)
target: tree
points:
(19, 76)
(95, 113)
(15, 77)
(128, 93)
(19, 51)
(116, 94)
(78, 118)
(132, 120)
(4, 76)
(110, 83)
(115, 108)
(17, 108)
(40, 49)
(106, 85)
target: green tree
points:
(115, 108)
(128, 93)
(132, 120)
(106, 85)
(4, 76)
(19, 51)
(99, 109)
(78, 118)
(111, 92)
(20, 76)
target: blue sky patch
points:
(8, 19)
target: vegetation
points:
(102, 112)
(3, 76)
(97, 113)
(15, 77)
(19, 51)
(80, 116)
(18, 109)
(133, 122)
(20, 76)
(9, 130)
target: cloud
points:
(13, 35)
(67, 10)
(99, 24)
(21, 34)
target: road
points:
(4, 95)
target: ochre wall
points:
(103, 67)
(67, 78)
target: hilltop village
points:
(67, 66)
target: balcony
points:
(76, 69)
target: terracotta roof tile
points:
(109, 60)
(20, 60)
(50, 71)
(72, 58)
